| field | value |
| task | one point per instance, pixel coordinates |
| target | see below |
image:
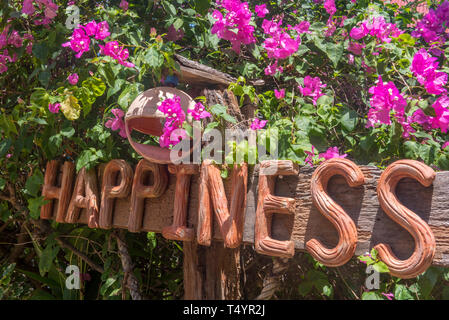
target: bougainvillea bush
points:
(365, 80)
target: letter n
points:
(213, 196)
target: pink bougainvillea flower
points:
(329, 5)
(261, 10)
(424, 67)
(356, 48)
(331, 27)
(199, 112)
(441, 119)
(54, 108)
(124, 5)
(432, 27)
(279, 94)
(73, 79)
(386, 97)
(312, 88)
(235, 25)
(330, 153)
(51, 10)
(389, 296)
(117, 122)
(258, 124)
(445, 145)
(15, 39)
(172, 130)
(102, 31)
(358, 33)
(309, 157)
(118, 52)
(350, 59)
(90, 28)
(9, 155)
(302, 27)
(28, 7)
(280, 45)
(79, 42)
(271, 69)
(422, 119)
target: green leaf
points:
(4, 147)
(71, 108)
(34, 205)
(372, 295)
(34, 183)
(154, 58)
(46, 259)
(402, 293)
(202, 6)
(349, 120)
(380, 267)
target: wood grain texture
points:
(345, 226)
(360, 203)
(424, 251)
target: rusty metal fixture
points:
(143, 116)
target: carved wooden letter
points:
(212, 194)
(178, 230)
(141, 190)
(85, 195)
(424, 252)
(347, 231)
(268, 204)
(50, 191)
(110, 190)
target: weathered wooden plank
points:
(361, 204)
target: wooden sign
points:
(334, 211)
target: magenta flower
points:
(358, 33)
(261, 10)
(73, 79)
(302, 27)
(356, 48)
(310, 155)
(332, 153)
(235, 25)
(433, 25)
(389, 296)
(118, 52)
(90, 28)
(117, 123)
(312, 88)
(9, 155)
(102, 31)
(280, 45)
(27, 7)
(422, 119)
(279, 94)
(386, 97)
(445, 145)
(424, 67)
(172, 131)
(199, 112)
(258, 124)
(79, 42)
(271, 69)
(329, 5)
(124, 5)
(441, 120)
(15, 39)
(53, 108)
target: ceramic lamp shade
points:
(143, 116)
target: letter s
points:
(347, 231)
(424, 251)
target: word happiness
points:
(152, 181)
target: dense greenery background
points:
(33, 260)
